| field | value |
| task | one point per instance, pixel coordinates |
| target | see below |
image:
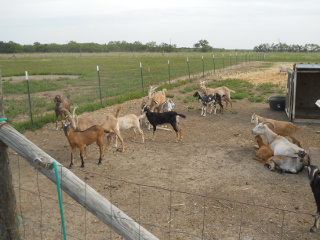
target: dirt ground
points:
(206, 186)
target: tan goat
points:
(281, 128)
(108, 122)
(223, 91)
(157, 99)
(264, 152)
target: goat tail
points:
(117, 113)
(181, 115)
(302, 127)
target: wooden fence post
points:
(9, 228)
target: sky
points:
(229, 24)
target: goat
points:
(264, 152)
(314, 177)
(161, 118)
(167, 106)
(223, 91)
(288, 157)
(157, 99)
(108, 122)
(130, 121)
(81, 139)
(283, 68)
(209, 100)
(279, 127)
(61, 103)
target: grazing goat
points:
(61, 103)
(288, 157)
(157, 99)
(81, 139)
(130, 121)
(279, 127)
(264, 152)
(209, 100)
(108, 122)
(314, 177)
(161, 118)
(223, 91)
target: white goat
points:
(288, 157)
(167, 106)
(130, 121)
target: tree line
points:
(283, 47)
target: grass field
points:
(120, 75)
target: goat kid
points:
(161, 118)
(167, 106)
(208, 101)
(264, 152)
(81, 139)
(61, 103)
(279, 127)
(223, 91)
(314, 177)
(288, 157)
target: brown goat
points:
(264, 152)
(223, 91)
(61, 103)
(157, 99)
(81, 139)
(281, 128)
(108, 122)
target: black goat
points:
(314, 177)
(209, 100)
(161, 118)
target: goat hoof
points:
(313, 229)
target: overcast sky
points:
(230, 24)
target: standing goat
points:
(130, 121)
(61, 103)
(81, 139)
(288, 157)
(108, 122)
(279, 127)
(314, 177)
(157, 98)
(167, 106)
(223, 91)
(208, 101)
(161, 118)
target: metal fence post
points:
(29, 99)
(188, 68)
(99, 84)
(141, 76)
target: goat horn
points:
(74, 111)
(269, 122)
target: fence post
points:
(9, 228)
(169, 70)
(141, 76)
(99, 84)
(188, 68)
(214, 64)
(202, 68)
(29, 99)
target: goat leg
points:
(316, 221)
(82, 161)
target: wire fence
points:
(175, 214)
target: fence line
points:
(169, 231)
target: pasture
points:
(206, 187)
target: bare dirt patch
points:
(214, 160)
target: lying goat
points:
(279, 127)
(108, 122)
(208, 101)
(314, 177)
(81, 139)
(61, 103)
(223, 91)
(264, 152)
(130, 121)
(161, 118)
(288, 157)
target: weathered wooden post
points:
(9, 228)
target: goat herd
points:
(279, 154)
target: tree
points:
(203, 45)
